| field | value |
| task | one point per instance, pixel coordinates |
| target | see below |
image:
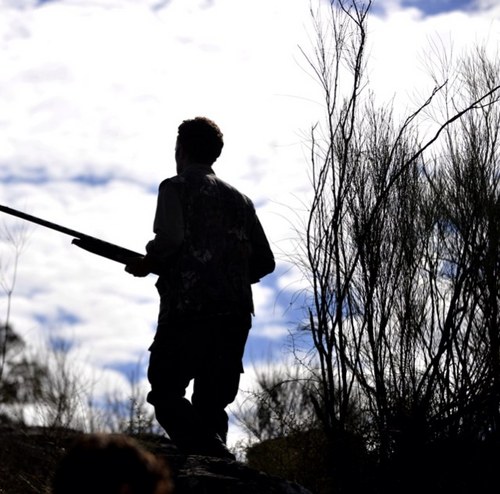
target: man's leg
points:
(212, 393)
(218, 372)
(172, 365)
(169, 380)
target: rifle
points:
(86, 242)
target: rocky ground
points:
(28, 458)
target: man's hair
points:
(201, 139)
(108, 463)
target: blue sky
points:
(91, 93)
(433, 7)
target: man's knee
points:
(216, 391)
(166, 398)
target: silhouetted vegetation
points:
(401, 254)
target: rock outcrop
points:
(207, 475)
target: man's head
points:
(199, 140)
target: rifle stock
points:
(86, 242)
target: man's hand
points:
(138, 266)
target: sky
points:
(91, 94)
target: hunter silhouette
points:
(209, 247)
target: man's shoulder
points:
(235, 192)
(176, 179)
(209, 183)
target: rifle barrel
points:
(82, 240)
(40, 221)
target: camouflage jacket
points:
(210, 244)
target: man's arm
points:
(168, 224)
(168, 227)
(262, 259)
